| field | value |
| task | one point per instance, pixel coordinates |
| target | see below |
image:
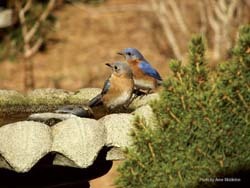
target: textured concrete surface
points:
(118, 128)
(115, 153)
(79, 139)
(75, 141)
(147, 113)
(11, 97)
(61, 160)
(22, 144)
(43, 100)
(48, 96)
(4, 164)
(84, 95)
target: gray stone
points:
(79, 140)
(118, 127)
(143, 100)
(22, 144)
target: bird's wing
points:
(97, 100)
(106, 87)
(149, 70)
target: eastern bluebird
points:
(145, 76)
(118, 89)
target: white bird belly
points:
(144, 84)
(120, 100)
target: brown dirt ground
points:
(106, 181)
(84, 39)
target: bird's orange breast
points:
(141, 79)
(120, 91)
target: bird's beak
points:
(109, 65)
(121, 53)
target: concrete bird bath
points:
(52, 149)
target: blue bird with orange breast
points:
(118, 89)
(145, 76)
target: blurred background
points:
(65, 43)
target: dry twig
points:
(31, 43)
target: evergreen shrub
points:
(203, 129)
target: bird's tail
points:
(96, 101)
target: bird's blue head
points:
(131, 54)
(120, 69)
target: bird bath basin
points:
(68, 153)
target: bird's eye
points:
(129, 53)
(116, 67)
